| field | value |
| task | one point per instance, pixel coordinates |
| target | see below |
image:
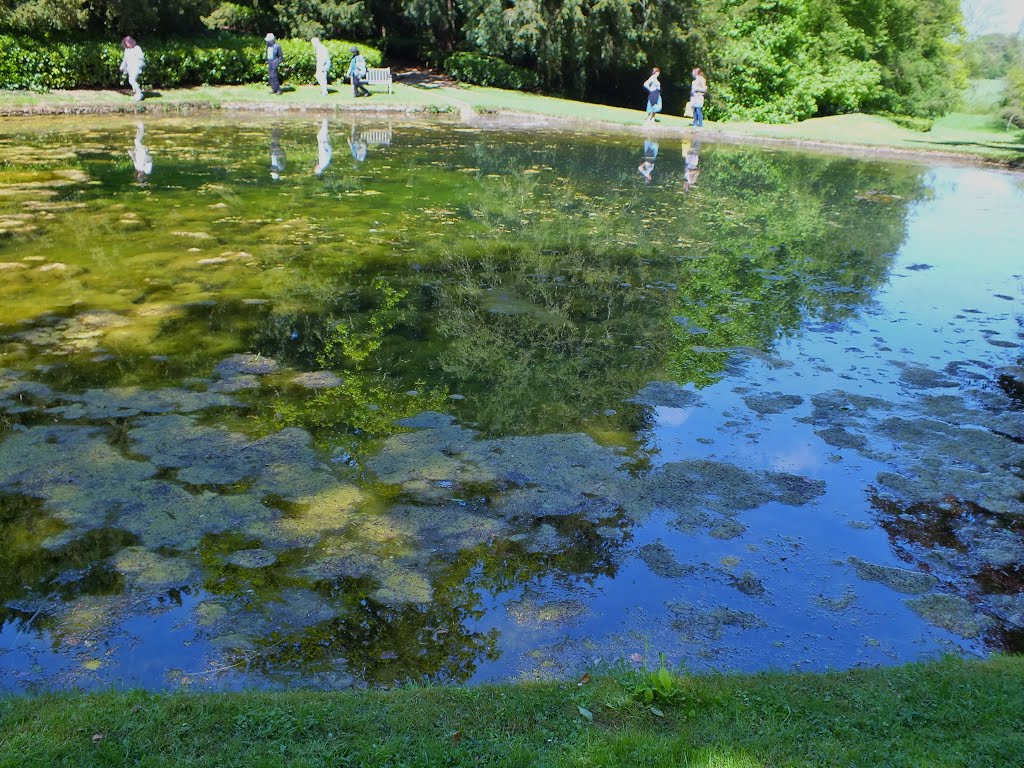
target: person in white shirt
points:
(141, 158)
(132, 63)
(323, 63)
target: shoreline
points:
(943, 712)
(499, 118)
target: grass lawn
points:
(982, 135)
(942, 714)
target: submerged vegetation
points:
(334, 429)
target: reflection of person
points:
(357, 146)
(276, 155)
(141, 159)
(698, 89)
(132, 63)
(274, 58)
(646, 168)
(324, 150)
(653, 86)
(691, 158)
(323, 63)
(357, 73)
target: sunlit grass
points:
(947, 713)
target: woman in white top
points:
(323, 63)
(132, 63)
(653, 86)
(698, 89)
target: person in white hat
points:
(323, 63)
(274, 58)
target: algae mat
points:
(297, 402)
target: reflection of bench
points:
(380, 136)
(379, 76)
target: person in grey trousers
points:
(274, 58)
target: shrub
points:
(487, 70)
(922, 124)
(30, 64)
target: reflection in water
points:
(646, 168)
(691, 159)
(277, 161)
(492, 421)
(324, 149)
(142, 160)
(357, 145)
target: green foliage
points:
(787, 60)
(354, 345)
(922, 124)
(29, 64)
(232, 17)
(659, 687)
(993, 56)
(1014, 107)
(487, 70)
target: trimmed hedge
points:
(478, 69)
(40, 65)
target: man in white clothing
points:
(323, 63)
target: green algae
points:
(952, 613)
(662, 561)
(898, 579)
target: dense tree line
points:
(773, 60)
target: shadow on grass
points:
(986, 144)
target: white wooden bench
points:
(378, 76)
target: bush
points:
(486, 70)
(30, 64)
(922, 124)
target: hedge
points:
(487, 70)
(39, 65)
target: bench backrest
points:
(378, 75)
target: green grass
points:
(978, 134)
(946, 713)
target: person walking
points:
(653, 87)
(274, 58)
(698, 89)
(357, 73)
(133, 61)
(323, 63)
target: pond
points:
(298, 402)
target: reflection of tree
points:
(784, 242)
(34, 575)
(434, 641)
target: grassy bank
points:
(947, 713)
(971, 135)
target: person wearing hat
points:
(357, 73)
(274, 58)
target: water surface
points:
(326, 404)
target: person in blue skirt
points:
(653, 87)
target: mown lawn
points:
(941, 714)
